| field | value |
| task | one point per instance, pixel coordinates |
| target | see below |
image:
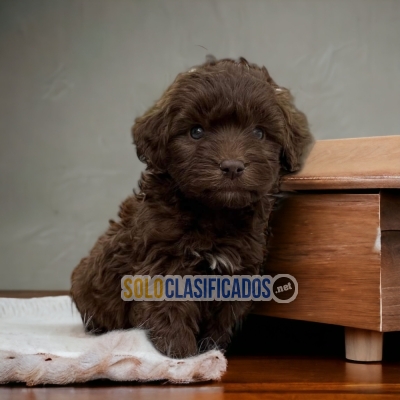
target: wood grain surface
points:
(390, 281)
(390, 259)
(390, 210)
(247, 378)
(359, 163)
(326, 241)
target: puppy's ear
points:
(297, 140)
(150, 137)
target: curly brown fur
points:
(190, 215)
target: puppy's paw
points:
(214, 342)
(176, 345)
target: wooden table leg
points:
(363, 345)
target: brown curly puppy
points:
(215, 144)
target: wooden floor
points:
(270, 358)
(247, 378)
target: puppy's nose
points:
(232, 168)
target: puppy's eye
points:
(197, 132)
(258, 133)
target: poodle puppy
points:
(215, 144)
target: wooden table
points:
(338, 234)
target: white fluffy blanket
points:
(42, 340)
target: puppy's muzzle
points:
(232, 168)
